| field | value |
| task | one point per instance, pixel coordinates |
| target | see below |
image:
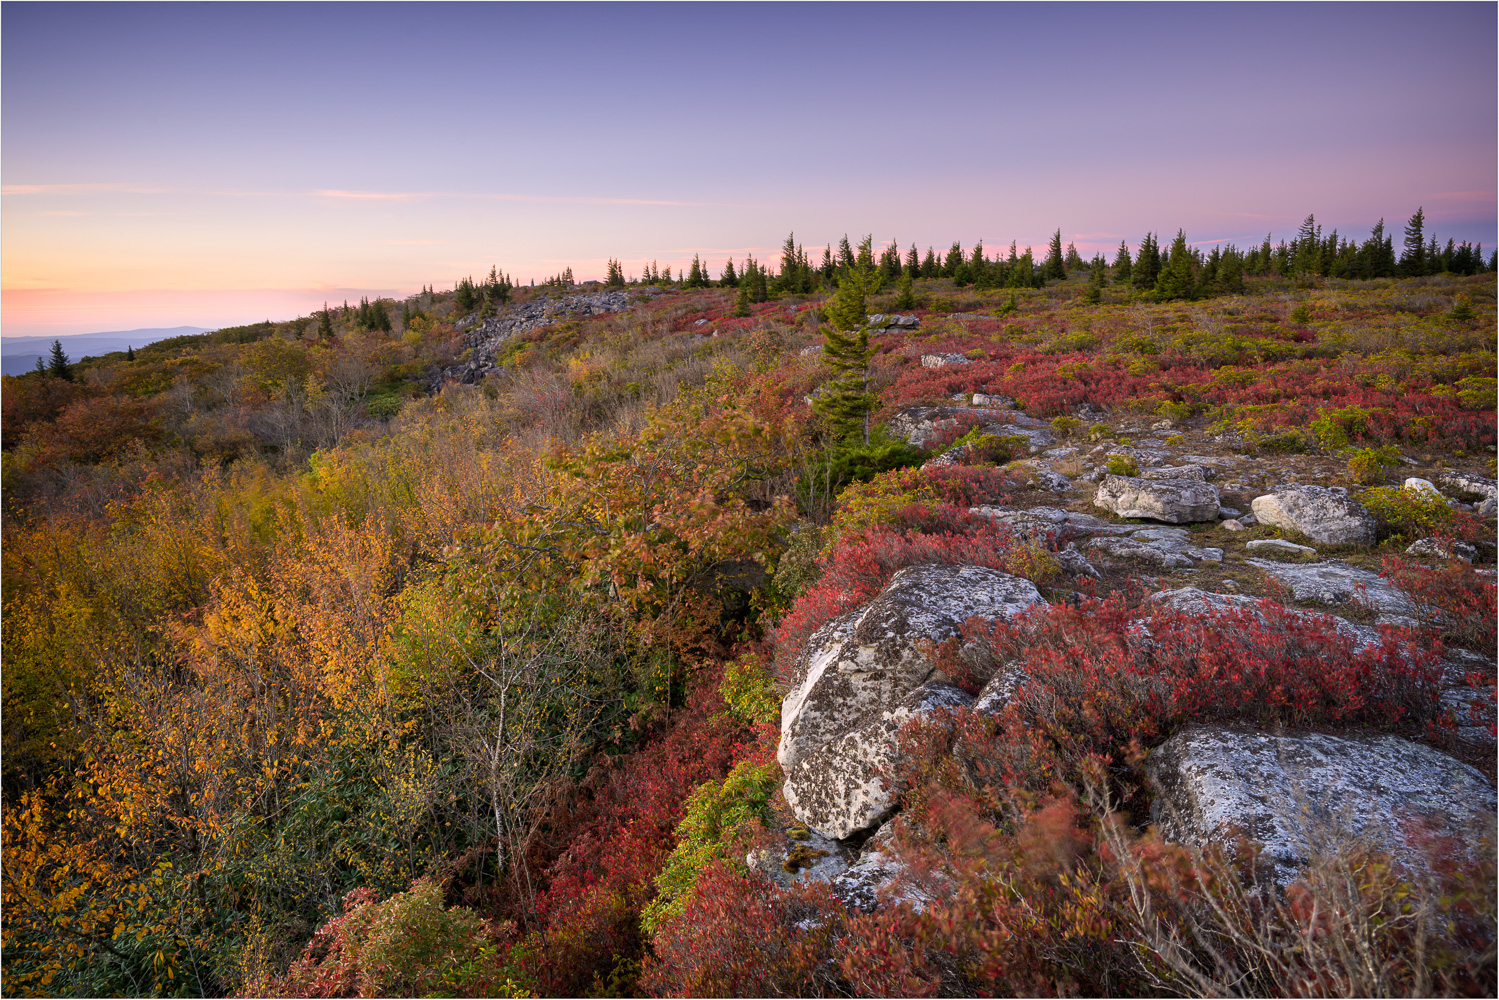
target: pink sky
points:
(220, 164)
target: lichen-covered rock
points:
(800, 855)
(866, 660)
(845, 786)
(1302, 794)
(1168, 548)
(1193, 471)
(1049, 523)
(942, 360)
(1280, 546)
(1335, 582)
(1438, 548)
(1468, 486)
(919, 425)
(1175, 501)
(1323, 514)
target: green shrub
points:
(1301, 314)
(1284, 443)
(1066, 426)
(1175, 412)
(1462, 311)
(717, 813)
(749, 691)
(1408, 512)
(1366, 465)
(1123, 465)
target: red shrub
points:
(1455, 600)
(1099, 682)
(739, 935)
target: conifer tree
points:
(129, 353)
(695, 276)
(325, 324)
(864, 259)
(952, 260)
(58, 365)
(845, 402)
(742, 300)
(1231, 271)
(615, 278)
(929, 267)
(729, 278)
(905, 296)
(845, 253)
(913, 261)
(1095, 281)
(826, 271)
(1073, 260)
(1148, 263)
(1176, 280)
(1123, 264)
(1055, 268)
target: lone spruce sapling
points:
(845, 403)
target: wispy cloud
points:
(339, 194)
(113, 187)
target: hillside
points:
(884, 627)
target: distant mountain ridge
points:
(19, 354)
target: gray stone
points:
(845, 785)
(1424, 486)
(863, 662)
(1323, 514)
(1468, 486)
(1175, 501)
(1233, 525)
(920, 424)
(1436, 548)
(1486, 508)
(1199, 472)
(1335, 582)
(942, 360)
(1280, 545)
(1303, 795)
(1228, 513)
(800, 856)
(1073, 562)
(986, 399)
(1049, 523)
(882, 321)
(1168, 548)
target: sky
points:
(220, 164)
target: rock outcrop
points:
(1323, 514)
(1305, 794)
(855, 674)
(919, 425)
(1181, 500)
(484, 338)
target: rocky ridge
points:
(485, 337)
(865, 673)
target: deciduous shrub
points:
(1453, 600)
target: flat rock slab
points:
(1323, 514)
(846, 786)
(1335, 582)
(1281, 546)
(918, 425)
(1467, 486)
(865, 661)
(1169, 548)
(1306, 794)
(1175, 501)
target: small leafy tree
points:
(846, 402)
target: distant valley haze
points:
(20, 354)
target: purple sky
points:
(216, 164)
